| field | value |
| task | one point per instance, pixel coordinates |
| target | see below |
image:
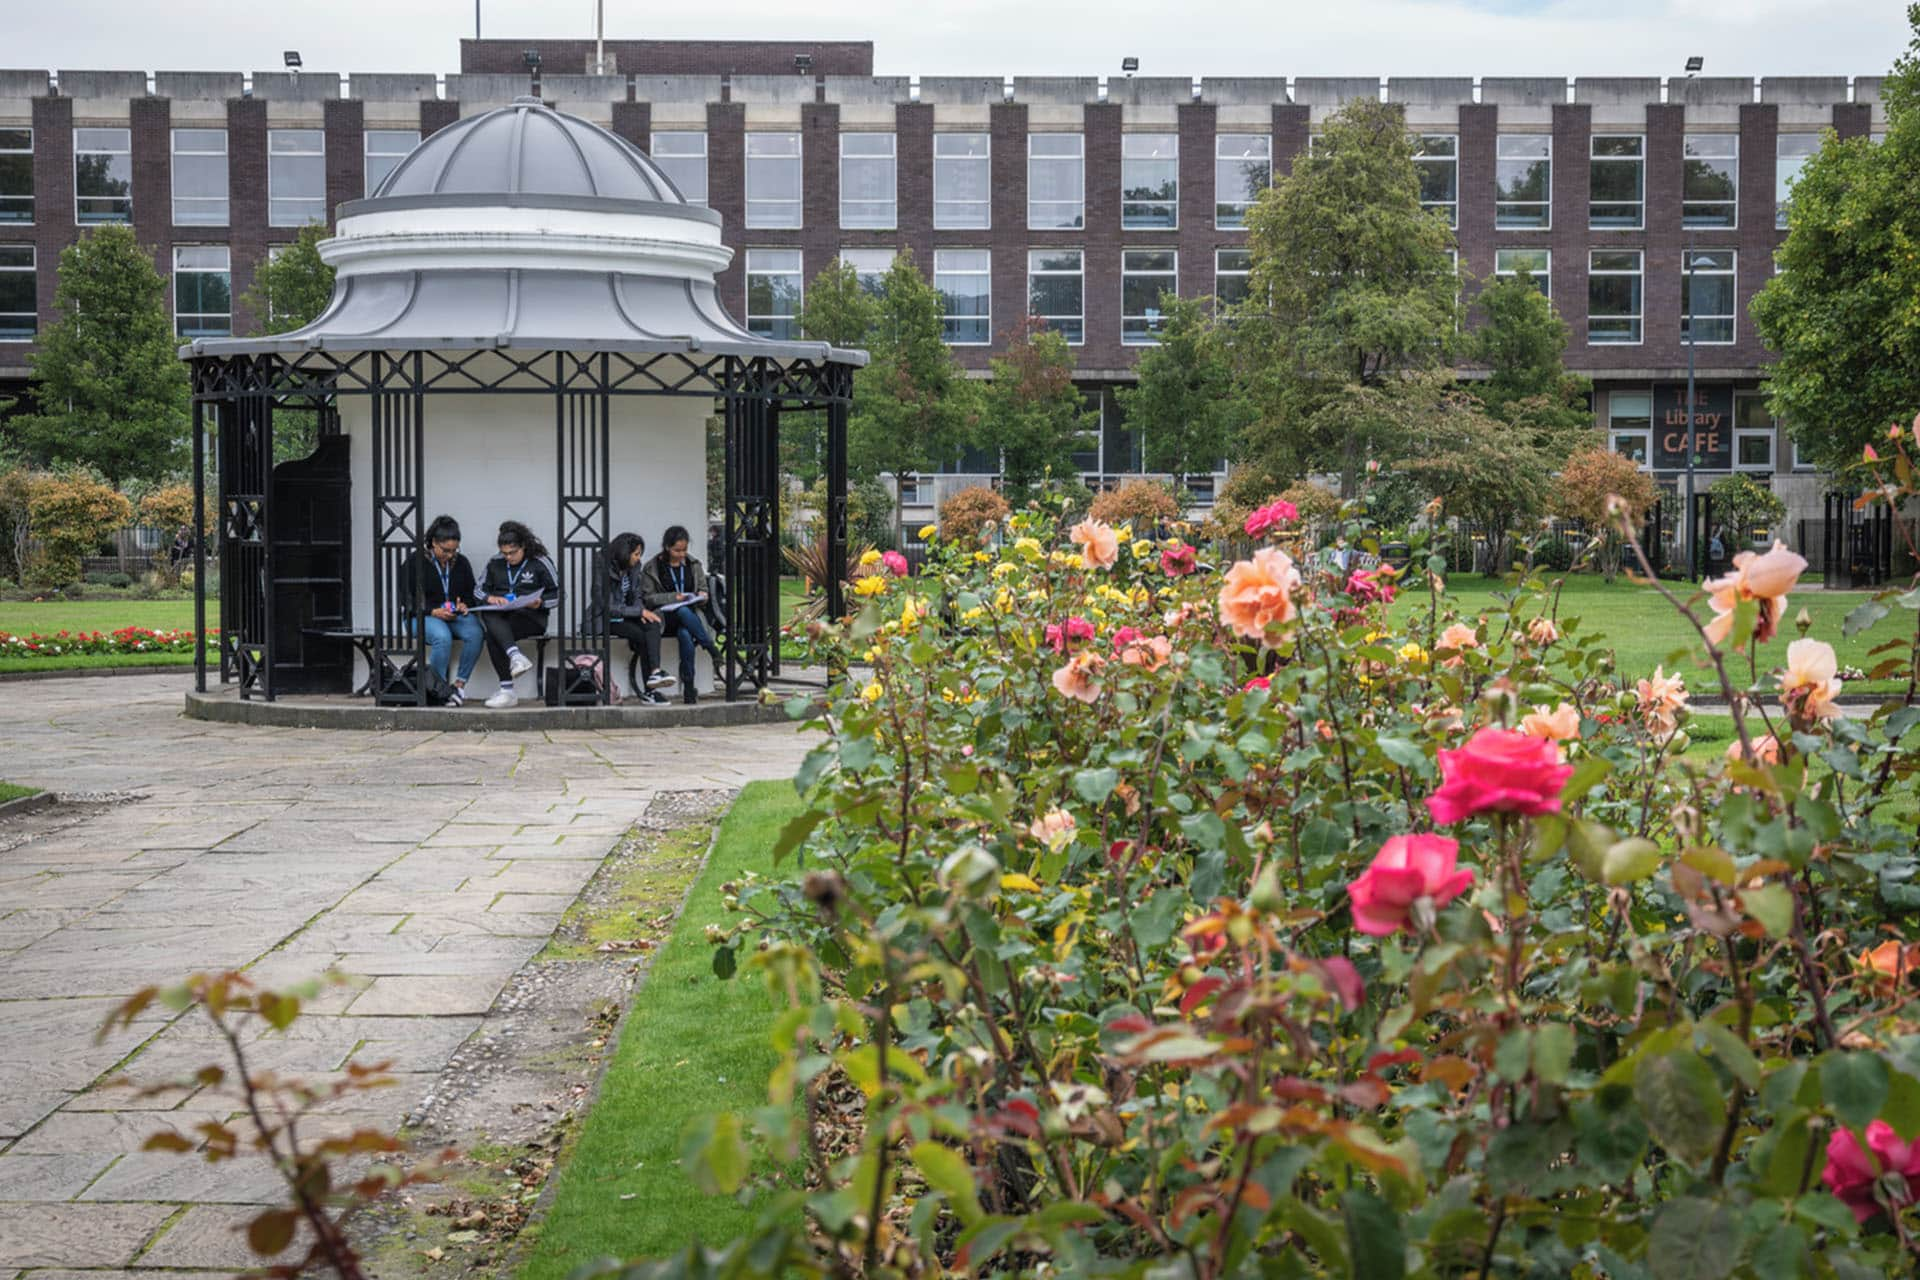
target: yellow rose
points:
(974, 614)
(1075, 561)
(873, 585)
(1004, 568)
(872, 692)
(982, 557)
(1412, 653)
(870, 557)
(1142, 549)
(927, 532)
(1124, 533)
(1028, 547)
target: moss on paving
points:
(641, 905)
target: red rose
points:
(1258, 682)
(1851, 1173)
(1499, 771)
(1406, 870)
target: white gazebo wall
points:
(489, 458)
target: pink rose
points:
(1076, 630)
(1371, 586)
(896, 563)
(1851, 1173)
(1271, 516)
(1178, 562)
(1499, 771)
(1079, 679)
(1124, 637)
(1406, 870)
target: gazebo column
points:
(749, 536)
(836, 513)
(582, 453)
(245, 460)
(199, 543)
(398, 412)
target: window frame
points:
(1076, 335)
(1689, 318)
(773, 319)
(752, 203)
(1639, 162)
(664, 160)
(1231, 222)
(224, 200)
(892, 163)
(863, 275)
(367, 154)
(1147, 324)
(32, 271)
(78, 151)
(276, 203)
(1243, 274)
(1167, 205)
(1782, 181)
(29, 196)
(942, 221)
(1741, 434)
(1644, 433)
(1078, 160)
(1422, 162)
(1541, 280)
(951, 319)
(180, 270)
(1638, 316)
(1692, 222)
(1501, 220)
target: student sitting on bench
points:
(441, 579)
(519, 587)
(631, 620)
(675, 586)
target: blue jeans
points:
(690, 629)
(465, 627)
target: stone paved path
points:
(433, 865)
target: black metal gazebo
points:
(520, 253)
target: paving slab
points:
(283, 852)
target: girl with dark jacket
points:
(439, 584)
(670, 586)
(521, 584)
(628, 617)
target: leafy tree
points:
(289, 292)
(1351, 289)
(838, 310)
(1841, 315)
(1589, 481)
(1188, 404)
(1031, 413)
(73, 514)
(1742, 504)
(1486, 469)
(1523, 342)
(108, 381)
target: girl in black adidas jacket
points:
(522, 585)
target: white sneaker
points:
(660, 679)
(518, 664)
(505, 698)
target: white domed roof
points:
(528, 148)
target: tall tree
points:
(293, 287)
(110, 386)
(1188, 405)
(1031, 413)
(1523, 343)
(913, 404)
(1841, 314)
(841, 313)
(1352, 286)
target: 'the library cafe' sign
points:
(1712, 427)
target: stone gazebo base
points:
(339, 711)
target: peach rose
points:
(1407, 872)
(1099, 544)
(1054, 829)
(1258, 593)
(1080, 677)
(1499, 771)
(1766, 750)
(1766, 578)
(1562, 724)
(1891, 959)
(1808, 687)
(1150, 652)
(1661, 698)
(1542, 631)
(1458, 637)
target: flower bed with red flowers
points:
(1190, 924)
(128, 641)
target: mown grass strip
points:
(691, 1045)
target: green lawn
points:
(1644, 630)
(692, 1045)
(18, 618)
(13, 791)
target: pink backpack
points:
(591, 664)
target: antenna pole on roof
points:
(599, 37)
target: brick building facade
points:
(1693, 162)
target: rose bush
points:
(127, 640)
(1160, 968)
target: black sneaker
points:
(658, 679)
(652, 698)
(691, 697)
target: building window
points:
(1617, 173)
(296, 177)
(683, 158)
(1615, 283)
(1231, 268)
(1057, 291)
(774, 293)
(19, 294)
(773, 179)
(1150, 181)
(870, 266)
(1792, 151)
(16, 175)
(1056, 181)
(1754, 431)
(964, 279)
(1706, 296)
(1535, 264)
(1630, 424)
(962, 181)
(1436, 158)
(1242, 169)
(199, 177)
(1799, 463)
(1710, 189)
(1523, 181)
(202, 291)
(869, 195)
(1145, 274)
(386, 148)
(103, 175)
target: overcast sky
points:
(1013, 37)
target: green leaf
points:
(818, 761)
(1854, 1085)
(1629, 860)
(1373, 1236)
(795, 831)
(272, 1231)
(1772, 906)
(1587, 775)
(713, 1153)
(1403, 753)
(1681, 1102)
(1694, 1239)
(725, 962)
(1902, 1109)
(948, 1172)
(1553, 1047)
(1729, 1052)
(1862, 616)
(1095, 785)
(1154, 920)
